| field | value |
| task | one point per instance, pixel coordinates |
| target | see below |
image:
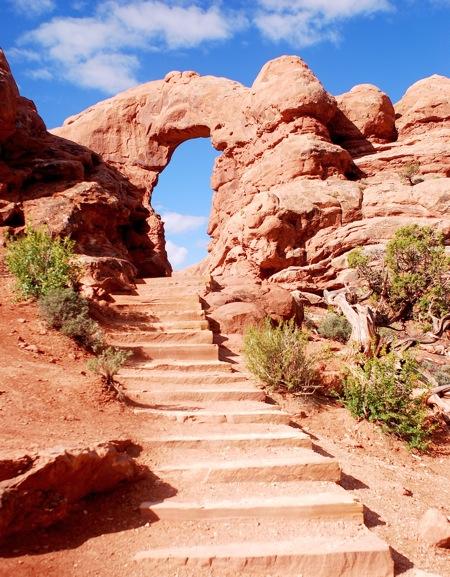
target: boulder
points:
(235, 317)
(434, 528)
(40, 489)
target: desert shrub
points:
(108, 363)
(335, 327)
(413, 279)
(381, 390)
(418, 271)
(66, 310)
(276, 355)
(409, 173)
(40, 263)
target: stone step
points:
(345, 550)
(232, 436)
(137, 378)
(330, 504)
(147, 368)
(220, 412)
(156, 306)
(198, 394)
(292, 464)
(181, 336)
(160, 299)
(142, 311)
(168, 282)
(155, 327)
(173, 352)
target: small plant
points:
(108, 363)
(40, 263)
(409, 173)
(65, 310)
(335, 327)
(276, 355)
(381, 390)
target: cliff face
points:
(46, 179)
(302, 179)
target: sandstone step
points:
(335, 550)
(330, 504)
(174, 352)
(147, 368)
(163, 299)
(173, 280)
(199, 394)
(142, 312)
(291, 464)
(155, 327)
(226, 414)
(156, 306)
(231, 436)
(181, 336)
(137, 378)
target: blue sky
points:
(69, 54)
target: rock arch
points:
(271, 136)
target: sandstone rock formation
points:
(38, 490)
(45, 179)
(303, 177)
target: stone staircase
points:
(252, 494)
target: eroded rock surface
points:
(46, 179)
(303, 177)
(38, 490)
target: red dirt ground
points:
(48, 398)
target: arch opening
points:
(183, 199)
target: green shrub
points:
(65, 310)
(409, 173)
(418, 271)
(381, 390)
(413, 280)
(40, 263)
(276, 355)
(108, 363)
(335, 327)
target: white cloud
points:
(176, 223)
(99, 51)
(24, 54)
(307, 22)
(33, 7)
(329, 8)
(177, 254)
(40, 74)
(108, 72)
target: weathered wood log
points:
(442, 405)
(361, 318)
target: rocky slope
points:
(302, 179)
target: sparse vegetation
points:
(409, 173)
(41, 263)
(381, 390)
(335, 327)
(108, 363)
(277, 356)
(65, 310)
